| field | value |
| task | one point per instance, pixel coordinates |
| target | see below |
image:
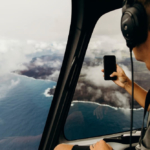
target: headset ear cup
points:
(128, 28)
(134, 25)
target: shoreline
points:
(116, 108)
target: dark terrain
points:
(141, 77)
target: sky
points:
(47, 20)
(42, 26)
(41, 20)
(32, 28)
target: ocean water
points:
(88, 119)
(23, 112)
(24, 107)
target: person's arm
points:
(71, 147)
(139, 93)
(63, 147)
(124, 82)
(97, 146)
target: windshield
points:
(33, 37)
(101, 107)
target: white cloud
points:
(105, 44)
(117, 98)
(59, 46)
(14, 83)
(6, 85)
(79, 86)
(94, 75)
(101, 45)
(96, 93)
(55, 64)
(48, 63)
(14, 53)
(38, 62)
(54, 76)
(123, 99)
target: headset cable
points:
(132, 102)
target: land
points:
(51, 91)
(44, 68)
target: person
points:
(141, 53)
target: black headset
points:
(134, 23)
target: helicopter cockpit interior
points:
(52, 88)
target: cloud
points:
(102, 95)
(92, 87)
(7, 85)
(97, 93)
(49, 63)
(118, 98)
(94, 76)
(79, 86)
(107, 43)
(54, 46)
(59, 46)
(38, 62)
(14, 54)
(54, 76)
(14, 83)
(101, 45)
(55, 64)
(87, 93)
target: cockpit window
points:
(101, 107)
(33, 37)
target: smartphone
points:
(109, 67)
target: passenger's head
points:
(142, 51)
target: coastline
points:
(116, 108)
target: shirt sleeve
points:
(76, 147)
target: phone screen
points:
(109, 67)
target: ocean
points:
(24, 106)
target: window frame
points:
(85, 14)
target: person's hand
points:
(122, 79)
(101, 145)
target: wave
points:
(46, 93)
(105, 105)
